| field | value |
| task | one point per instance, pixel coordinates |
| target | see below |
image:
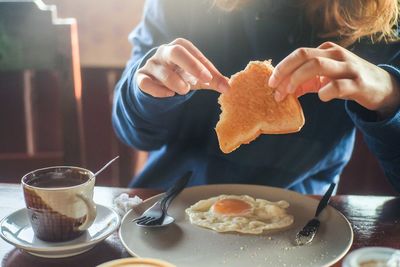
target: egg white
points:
(263, 215)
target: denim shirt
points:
(179, 131)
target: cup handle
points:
(91, 212)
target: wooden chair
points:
(40, 90)
(101, 142)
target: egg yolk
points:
(231, 207)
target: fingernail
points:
(272, 82)
(170, 94)
(206, 76)
(223, 87)
(277, 96)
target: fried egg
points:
(240, 213)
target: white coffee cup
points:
(59, 201)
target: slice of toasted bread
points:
(249, 109)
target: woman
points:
(327, 52)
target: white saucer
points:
(16, 230)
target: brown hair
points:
(348, 20)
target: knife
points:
(307, 234)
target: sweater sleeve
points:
(140, 120)
(382, 137)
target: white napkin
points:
(394, 260)
(123, 203)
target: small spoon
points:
(105, 166)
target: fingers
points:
(221, 83)
(318, 66)
(173, 64)
(218, 82)
(327, 89)
(341, 89)
(327, 45)
(301, 55)
(192, 61)
(197, 53)
(181, 57)
(312, 86)
(151, 87)
(310, 73)
(309, 69)
(169, 78)
(295, 60)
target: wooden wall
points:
(101, 143)
(103, 27)
(34, 96)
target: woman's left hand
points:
(334, 72)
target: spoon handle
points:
(105, 166)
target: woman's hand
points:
(179, 67)
(334, 72)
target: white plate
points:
(184, 244)
(16, 230)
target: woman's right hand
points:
(163, 75)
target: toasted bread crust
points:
(249, 109)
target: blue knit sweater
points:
(179, 131)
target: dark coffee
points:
(58, 179)
(49, 182)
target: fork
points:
(306, 235)
(155, 215)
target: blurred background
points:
(57, 78)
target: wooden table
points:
(375, 221)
